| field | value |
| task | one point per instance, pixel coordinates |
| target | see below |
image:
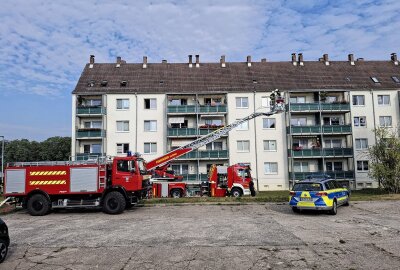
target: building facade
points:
(333, 108)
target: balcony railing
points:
(321, 152)
(326, 129)
(88, 156)
(90, 110)
(334, 175)
(196, 109)
(207, 154)
(184, 132)
(91, 133)
(304, 107)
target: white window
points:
(269, 122)
(150, 103)
(297, 99)
(362, 165)
(270, 168)
(270, 145)
(383, 99)
(359, 100)
(332, 121)
(332, 166)
(300, 166)
(242, 102)
(180, 169)
(122, 126)
(150, 148)
(150, 125)
(213, 122)
(122, 148)
(360, 121)
(214, 146)
(243, 126)
(92, 124)
(92, 102)
(92, 149)
(300, 144)
(362, 143)
(265, 102)
(122, 104)
(333, 143)
(300, 121)
(385, 121)
(243, 146)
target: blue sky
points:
(44, 45)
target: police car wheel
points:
(333, 211)
(347, 203)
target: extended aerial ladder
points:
(160, 164)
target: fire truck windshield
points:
(142, 167)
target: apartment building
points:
(152, 108)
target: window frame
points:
(152, 151)
(123, 148)
(384, 117)
(123, 122)
(357, 99)
(359, 121)
(269, 144)
(150, 102)
(362, 162)
(267, 119)
(271, 172)
(150, 125)
(382, 99)
(242, 150)
(361, 144)
(241, 102)
(122, 104)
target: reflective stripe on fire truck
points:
(48, 173)
(48, 182)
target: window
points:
(123, 165)
(150, 148)
(92, 124)
(270, 167)
(122, 104)
(375, 79)
(265, 102)
(298, 121)
(180, 169)
(333, 143)
(92, 148)
(91, 102)
(299, 166)
(213, 122)
(122, 148)
(104, 83)
(383, 100)
(242, 102)
(243, 126)
(243, 146)
(300, 144)
(270, 145)
(122, 126)
(268, 122)
(150, 103)
(150, 125)
(385, 121)
(395, 79)
(214, 146)
(359, 100)
(362, 143)
(331, 99)
(297, 99)
(177, 102)
(362, 165)
(360, 121)
(332, 166)
(332, 121)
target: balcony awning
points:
(211, 115)
(176, 120)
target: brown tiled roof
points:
(237, 77)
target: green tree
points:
(385, 160)
(55, 148)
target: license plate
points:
(305, 199)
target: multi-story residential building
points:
(333, 108)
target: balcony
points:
(321, 152)
(316, 107)
(206, 154)
(334, 175)
(326, 129)
(88, 156)
(90, 110)
(90, 133)
(178, 109)
(189, 132)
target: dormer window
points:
(104, 83)
(123, 83)
(395, 79)
(375, 79)
(91, 83)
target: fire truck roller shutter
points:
(15, 181)
(83, 179)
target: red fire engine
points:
(118, 183)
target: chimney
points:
(326, 59)
(91, 61)
(360, 59)
(118, 61)
(144, 61)
(263, 60)
(164, 61)
(351, 59)
(393, 56)
(249, 61)
(301, 63)
(190, 60)
(222, 61)
(294, 59)
(197, 60)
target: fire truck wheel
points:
(236, 192)
(114, 203)
(176, 193)
(38, 205)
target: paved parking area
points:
(365, 235)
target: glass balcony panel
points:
(208, 154)
(181, 109)
(91, 133)
(182, 132)
(212, 109)
(90, 110)
(298, 107)
(335, 106)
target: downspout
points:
(373, 113)
(255, 137)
